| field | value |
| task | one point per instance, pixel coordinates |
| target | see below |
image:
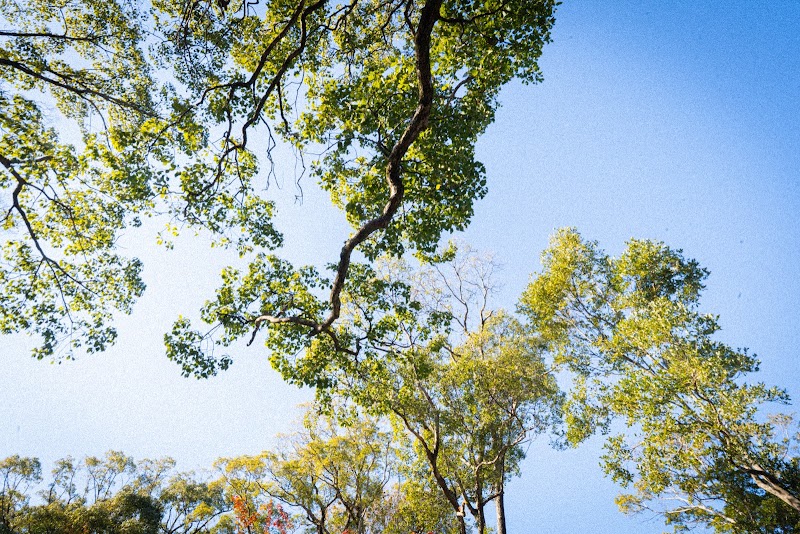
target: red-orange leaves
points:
(268, 518)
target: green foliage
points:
(415, 505)
(66, 203)
(470, 409)
(385, 99)
(465, 385)
(357, 69)
(110, 495)
(751, 509)
(270, 288)
(332, 476)
(18, 476)
(630, 330)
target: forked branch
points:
(417, 124)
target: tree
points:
(110, 495)
(394, 93)
(470, 415)
(333, 476)
(499, 393)
(698, 447)
(399, 91)
(18, 476)
(467, 385)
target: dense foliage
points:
(324, 479)
(699, 448)
(109, 495)
(162, 105)
(112, 111)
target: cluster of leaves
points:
(65, 204)
(111, 495)
(267, 519)
(629, 329)
(466, 385)
(385, 97)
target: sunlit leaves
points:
(65, 202)
(272, 288)
(337, 82)
(112, 494)
(631, 330)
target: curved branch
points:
(418, 123)
(17, 206)
(55, 36)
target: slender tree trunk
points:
(501, 513)
(462, 525)
(481, 521)
(499, 501)
(321, 525)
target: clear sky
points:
(677, 121)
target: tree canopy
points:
(115, 111)
(382, 101)
(699, 448)
(466, 386)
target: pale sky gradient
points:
(677, 121)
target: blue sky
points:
(676, 121)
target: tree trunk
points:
(772, 485)
(462, 525)
(501, 513)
